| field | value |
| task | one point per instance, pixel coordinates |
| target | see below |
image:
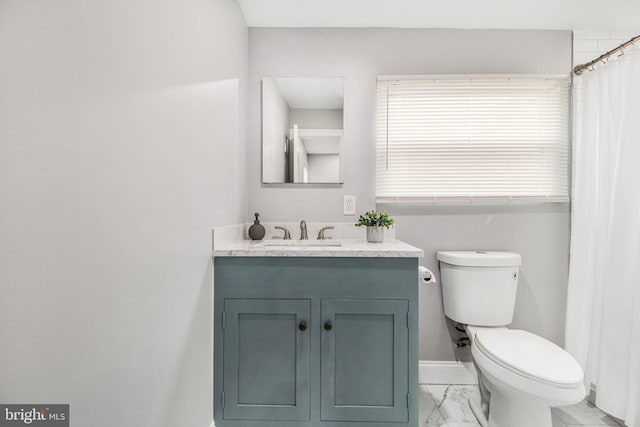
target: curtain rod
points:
(579, 69)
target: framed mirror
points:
(302, 130)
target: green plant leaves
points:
(373, 218)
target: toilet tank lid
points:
(480, 258)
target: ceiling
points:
(312, 92)
(620, 15)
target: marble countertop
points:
(232, 240)
(350, 248)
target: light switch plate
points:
(349, 205)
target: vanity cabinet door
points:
(364, 360)
(266, 359)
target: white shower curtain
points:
(603, 308)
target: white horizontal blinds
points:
(472, 139)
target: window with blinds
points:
(472, 139)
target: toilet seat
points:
(529, 356)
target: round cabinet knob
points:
(302, 326)
(328, 326)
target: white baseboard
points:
(446, 372)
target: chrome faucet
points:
(287, 234)
(321, 232)
(303, 230)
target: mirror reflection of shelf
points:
(320, 141)
(316, 155)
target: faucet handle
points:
(287, 234)
(321, 232)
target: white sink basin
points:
(282, 242)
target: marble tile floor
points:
(448, 406)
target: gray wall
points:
(121, 145)
(324, 167)
(312, 118)
(539, 232)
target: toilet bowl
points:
(525, 376)
(521, 374)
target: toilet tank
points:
(479, 287)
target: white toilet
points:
(521, 375)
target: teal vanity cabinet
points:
(364, 349)
(266, 365)
(315, 341)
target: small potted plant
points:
(376, 223)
